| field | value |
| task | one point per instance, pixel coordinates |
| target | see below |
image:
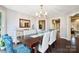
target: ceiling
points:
(52, 10)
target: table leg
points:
(35, 49)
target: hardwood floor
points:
(63, 46)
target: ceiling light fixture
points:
(42, 12)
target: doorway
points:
(75, 25)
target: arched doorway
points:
(75, 25)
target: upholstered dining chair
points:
(44, 46)
(9, 46)
(52, 37)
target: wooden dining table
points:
(31, 42)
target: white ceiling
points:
(52, 10)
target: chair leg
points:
(35, 50)
(50, 48)
(53, 45)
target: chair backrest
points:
(52, 37)
(8, 43)
(45, 41)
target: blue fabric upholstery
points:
(9, 46)
(22, 49)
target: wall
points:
(63, 27)
(68, 28)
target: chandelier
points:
(42, 12)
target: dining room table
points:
(32, 41)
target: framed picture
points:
(24, 23)
(56, 23)
(42, 24)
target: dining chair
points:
(9, 46)
(44, 46)
(52, 37)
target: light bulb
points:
(45, 13)
(36, 14)
(40, 12)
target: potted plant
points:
(2, 44)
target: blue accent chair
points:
(9, 46)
